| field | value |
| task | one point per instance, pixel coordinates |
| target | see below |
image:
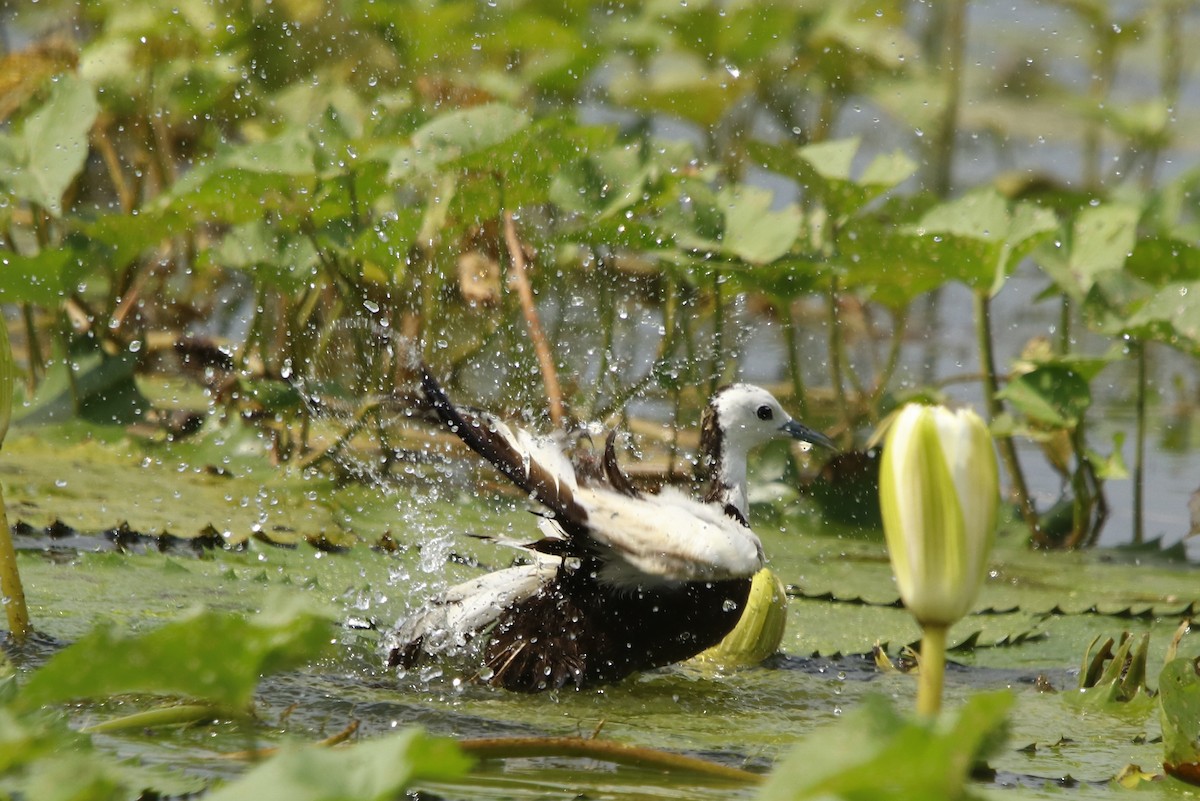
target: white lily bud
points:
(939, 491)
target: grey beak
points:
(797, 430)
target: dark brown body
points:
(579, 632)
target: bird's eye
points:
(764, 413)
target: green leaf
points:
(1179, 698)
(980, 240)
(824, 172)
(753, 232)
(603, 184)
(215, 656)
(34, 279)
(374, 770)
(1100, 240)
(468, 131)
(290, 153)
(1052, 395)
(52, 144)
(874, 752)
(677, 83)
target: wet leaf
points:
(209, 655)
(467, 132)
(378, 769)
(1051, 395)
(979, 239)
(875, 752)
(51, 146)
(753, 232)
(1179, 696)
(34, 279)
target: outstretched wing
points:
(536, 466)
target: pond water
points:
(1037, 613)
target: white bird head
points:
(738, 418)
(747, 416)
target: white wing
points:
(669, 537)
(450, 620)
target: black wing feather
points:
(483, 438)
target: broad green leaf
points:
(375, 770)
(34, 279)
(824, 170)
(461, 133)
(214, 656)
(603, 184)
(832, 159)
(681, 84)
(1100, 240)
(1170, 315)
(1052, 395)
(1161, 259)
(1179, 698)
(90, 385)
(980, 240)
(126, 237)
(291, 153)
(753, 232)
(875, 752)
(275, 257)
(53, 144)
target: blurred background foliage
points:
(270, 200)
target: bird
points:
(622, 580)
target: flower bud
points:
(760, 629)
(938, 492)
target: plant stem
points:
(604, 750)
(12, 594)
(718, 347)
(1064, 324)
(951, 45)
(540, 346)
(899, 326)
(836, 354)
(1139, 446)
(37, 364)
(799, 395)
(1008, 450)
(933, 670)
